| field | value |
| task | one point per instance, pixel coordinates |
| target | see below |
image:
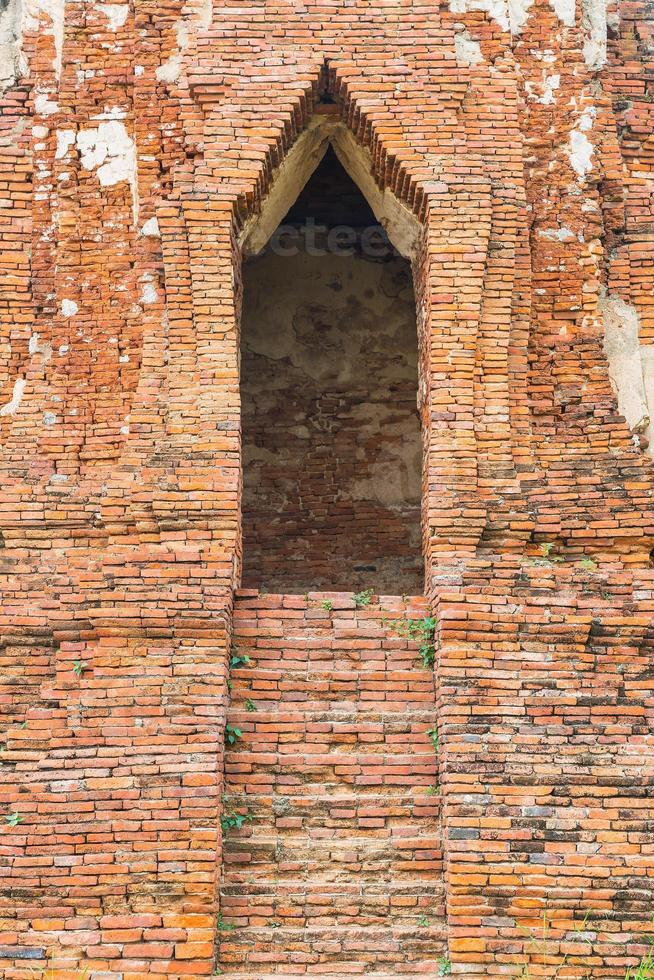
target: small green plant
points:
(433, 735)
(645, 969)
(328, 605)
(229, 821)
(223, 926)
(232, 734)
(362, 598)
(424, 631)
(250, 705)
(79, 666)
(433, 790)
(238, 659)
(423, 921)
(444, 966)
(588, 564)
(274, 925)
(547, 551)
(13, 819)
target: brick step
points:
(340, 812)
(334, 860)
(272, 687)
(317, 710)
(339, 871)
(386, 735)
(301, 905)
(382, 659)
(400, 727)
(361, 945)
(293, 971)
(298, 834)
(377, 643)
(283, 782)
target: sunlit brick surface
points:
(136, 142)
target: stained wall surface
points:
(332, 453)
(137, 140)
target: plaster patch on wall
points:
(37, 346)
(54, 10)
(149, 294)
(69, 307)
(497, 10)
(580, 149)
(65, 139)
(468, 51)
(623, 352)
(170, 69)
(116, 14)
(16, 398)
(151, 228)
(557, 234)
(44, 105)
(594, 27)
(10, 44)
(519, 14)
(551, 84)
(110, 151)
(565, 10)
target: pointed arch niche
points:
(332, 452)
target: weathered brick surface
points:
(527, 161)
(340, 867)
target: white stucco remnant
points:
(594, 27)
(468, 51)
(16, 398)
(69, 307)
(10, 44)
(565, 10)
(151, 228)
(204, 13)
(110, 151)
(44, 105)
(49, 418)
(65, 139)
(626, 368)
(38, 346)
(519, 14)
(551, 85)
(580, 149)
(580, 152)
(116, 14)
(497, 10)
(47, 17)
(20, 17)
(170, 70)
(557, 234)
(543, 93)
(148, 294)
(510, 15)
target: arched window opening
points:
(329, 375)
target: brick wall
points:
(136, 141)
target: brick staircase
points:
(339, 871)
